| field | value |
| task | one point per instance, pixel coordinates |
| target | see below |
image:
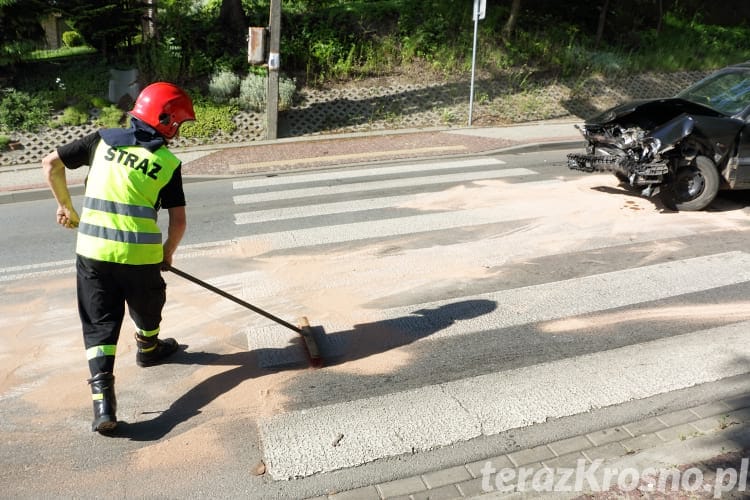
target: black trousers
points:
(104, 288)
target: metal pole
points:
(272, 100)
(473, 58)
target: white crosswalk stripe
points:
(385, 227)
(363, 187)
(353, 174)
(340, 207)
(299, 443)
(550, 301)
(320, 209)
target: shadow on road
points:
(361, 341)
(367, 339)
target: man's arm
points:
(54, 172)
(175, 231)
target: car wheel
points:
(694, 187)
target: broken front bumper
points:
(593, 163)
(639, 174)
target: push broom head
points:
(313, 351)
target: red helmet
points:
(163, 106)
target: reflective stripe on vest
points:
(118, 220)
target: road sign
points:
(480, 9)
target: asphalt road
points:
(461, 304)
(30, 235)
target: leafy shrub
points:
(210, 119)
(12, 52)
(159, 61)
(110, 117)
(85, 79)
(4, 142)
(73, 116)
(287, 90)
(254, 91)
(99, 102)
(57, 99)
(200, 64)
(64, 83)
(20, 111)
(72, 39)
(223, 85)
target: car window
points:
(726, 92)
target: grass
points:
(62, 53)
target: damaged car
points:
(685, 148)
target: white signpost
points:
(480, 8)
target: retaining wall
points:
(363, 108)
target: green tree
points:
(107, 25)
(200, 36)
(177, 36)
(234, 21)
(20, 28)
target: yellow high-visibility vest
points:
(118, 220)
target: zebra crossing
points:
(465, 217)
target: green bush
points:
(159, 61)
(73, 116)
(210, 119)
(223, 85)
(253, 92)
(4, 143)
(99, 102)
(110, 117)
(72, 39)
(287, 91)
(64, 83)
(20, 111)
(13, 52)
(57, 99)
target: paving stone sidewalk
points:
(287, 155)
(716, 432)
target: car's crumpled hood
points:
(651, 109)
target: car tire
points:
(693, 187)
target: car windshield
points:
(726, 91)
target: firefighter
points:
(119, 248)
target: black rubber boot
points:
(105, 402)
(152, 350)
